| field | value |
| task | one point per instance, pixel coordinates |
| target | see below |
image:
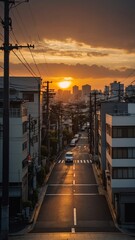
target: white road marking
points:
(76, 161)
(73, 182)
(86, 194)
(70, 184)
(58, 194)
(75, 220)
(74, 175)
(75, 194)
(73, 230)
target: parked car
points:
(73, 142)
(76, 136)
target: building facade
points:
(120, 165)
(24, 139)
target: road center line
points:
(69, 194)
(70, 184)
(73, 182)
(75, 220)
(73, 230)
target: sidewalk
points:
(27, 227)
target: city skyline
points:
(88, 42)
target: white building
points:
(25, 136)
(18, 152)
(116, 89)
(120, 164)
(106, 108)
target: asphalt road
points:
(72, 202)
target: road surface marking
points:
(74, 167)
(75, 220)
(88, 161)
(58, 194)
(81, 161)
(78, 161)
(73, 182)
(74, 175)
(86, 194)
(84, 161)
(70, 184)
(75, 194)
(73, 230)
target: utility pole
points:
(6, 109)
(48, 117)
(90, 129)
(95, 125)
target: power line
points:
(27, 64)
(37, 33)
(29, 50)
(32, 72)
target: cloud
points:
(104, 23)
(75, 71)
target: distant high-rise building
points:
(86, 89)
(106, 90)
(130, 90)
(75, 90)
(116, 89)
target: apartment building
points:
(18, 152)
(120, 164)
(106, 107)
(25, 137)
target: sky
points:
(83, 41)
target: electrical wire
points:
(29, 48)
(37, 33)
(24, 57)
(24, 64)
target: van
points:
(69, 157)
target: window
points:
(123, 132)
(123, 173)
(28, 96)
(123, 152)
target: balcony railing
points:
(15, 112)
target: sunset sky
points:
(86, 41)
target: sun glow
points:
(65, 83)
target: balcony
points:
(15, 112)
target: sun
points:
(65, 83)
